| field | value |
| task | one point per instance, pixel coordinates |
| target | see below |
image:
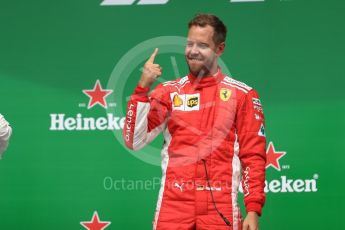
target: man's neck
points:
(211, 72)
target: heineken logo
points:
(96, 97)
(60, 122)
(289, 185)
(282, 183)
(95, 223)
(273, 157)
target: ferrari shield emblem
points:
(224, 94)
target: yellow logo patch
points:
(177, 101)
(193, 101)
(225, 94)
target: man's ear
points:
(220, 48)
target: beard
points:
(198, 71)
(198, 66)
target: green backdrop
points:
(292, 52)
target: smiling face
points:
(201, 51)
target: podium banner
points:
(67, 69)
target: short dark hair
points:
(203, 20)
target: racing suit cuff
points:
(140, 94)
(254, 207)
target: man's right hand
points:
(151, 71)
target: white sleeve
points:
(5, 133)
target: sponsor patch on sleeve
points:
(257, 105)
(262, 132)
(256, 101)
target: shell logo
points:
(177, 101)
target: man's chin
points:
(199, 72)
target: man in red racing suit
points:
(213, 127)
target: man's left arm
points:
(250, 125)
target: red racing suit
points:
(214, 120)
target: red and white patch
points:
(97, 95)
(273, 156)
(95, 223)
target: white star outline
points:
(274, 151)
(109, 91)
(95, 214)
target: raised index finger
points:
(153, 55)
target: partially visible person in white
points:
(5, 133)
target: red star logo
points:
(97, 95)
(95, 223)
(272, 157)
